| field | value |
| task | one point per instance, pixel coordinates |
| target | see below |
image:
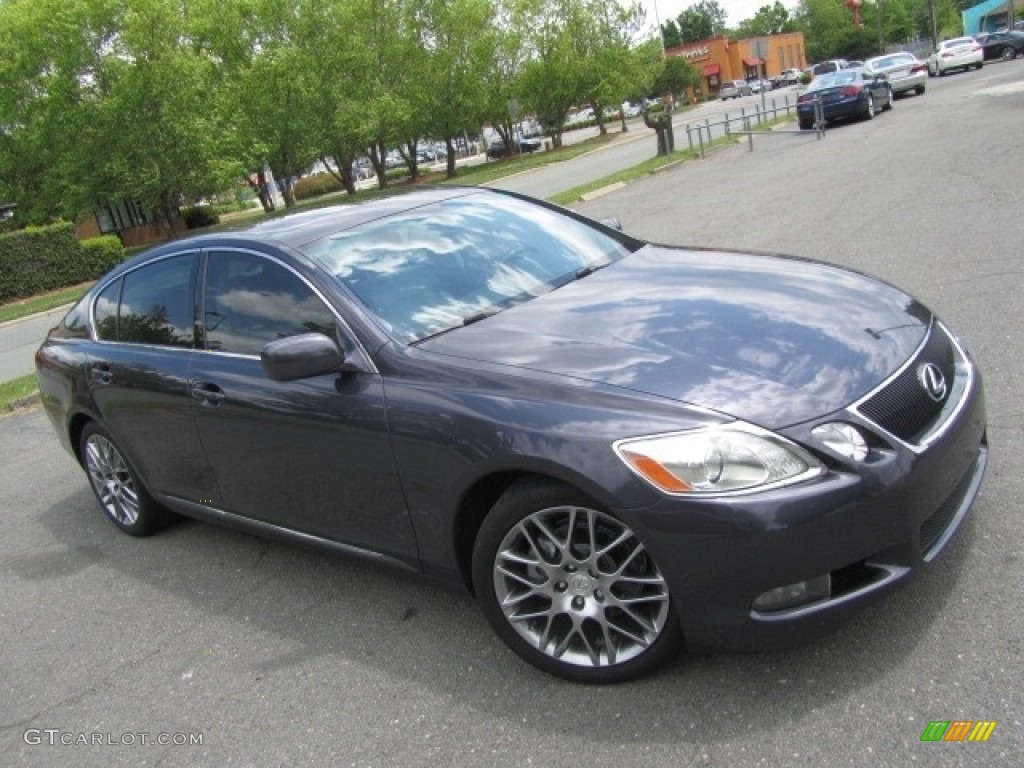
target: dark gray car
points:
(619, 447)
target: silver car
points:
(958, 53)
(904, 71)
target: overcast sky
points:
(738, 10)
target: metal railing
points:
(760, 114)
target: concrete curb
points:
(21, 404)
(63, 308)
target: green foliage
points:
(676, 75)
(40, 259)
(200, 216)
(701, 21)
(769, 20)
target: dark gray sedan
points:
(619, 447)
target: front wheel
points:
(1009, 52)
(870, 114)
(570, 588)
(117, 487)
(806, 125)
(888, 102)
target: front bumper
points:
(870, 530)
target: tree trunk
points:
(408, 153)
(599, 115)
(344, 172)
(167, 212)
(262, 191)
(378, 156)
(450, 160)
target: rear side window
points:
(149, 305)
(251, 300)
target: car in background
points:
(830, 65)
(958, 53)
(618, 447)
(790, 77)
(497, 149)
(733, 89)
(843, 94)
(854, 64)
(904, 71)
(1003, 46)
(758, 85)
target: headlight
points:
(732, 458)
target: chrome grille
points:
(903, 407)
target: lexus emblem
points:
(933, 381)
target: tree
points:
(461, 45)
(769, 20)
(676, 76)
(701, 21)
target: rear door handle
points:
(207, 393)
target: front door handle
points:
(207, 393)
(101, 374)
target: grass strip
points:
(41, 303)
(16, 391)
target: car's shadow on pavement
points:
(339, 612)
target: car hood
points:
(768, 339)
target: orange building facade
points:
(719, 58)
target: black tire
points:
(1009, 53)
(888, 102)
(919, 90)
(116, 485)
(539, 533)
(806, 125)
(979, 65)
(870, 113)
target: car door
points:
(137, 374)
(312, 455)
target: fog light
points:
(792, 595)
(843, 439)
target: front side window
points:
(251, 300)
(149, 305)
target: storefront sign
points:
(695, 53)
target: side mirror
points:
(302, 357)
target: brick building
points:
(719, 58)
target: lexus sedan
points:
(904, 72)
(842, 94)
(958, 53)
(620, 448)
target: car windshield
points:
(445, 265)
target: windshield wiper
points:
(479, 316)
(589, 270)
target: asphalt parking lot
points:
(272, 655)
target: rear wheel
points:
(117, 486)
(919, 90)
(1009, 52)
(806, 125)
(570, 588)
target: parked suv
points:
(830, 65)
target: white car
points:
(958, 53)
(903, 71)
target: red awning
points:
(751, 61)
(711, 69)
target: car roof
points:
(301, 227)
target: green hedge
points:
(316, 185)
(40, 259)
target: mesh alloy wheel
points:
(571, 588)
